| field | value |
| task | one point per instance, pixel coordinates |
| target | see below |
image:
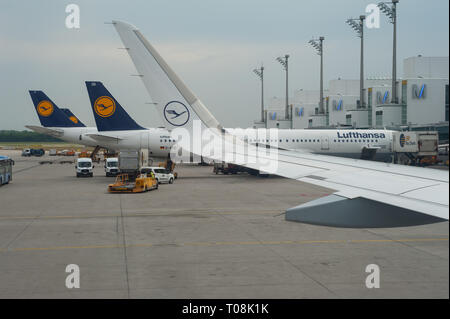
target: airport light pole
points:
(359, 28)
(260, 73)
(318, 45)
(390, 10)
(284, 62)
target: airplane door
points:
(325, 143)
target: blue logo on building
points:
(382, 99)
(176, 113)
(418, 93)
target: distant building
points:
(423, 95)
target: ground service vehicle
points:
(162, 175)
(125, 184)
(33, 152)
(112, 166)
(84, 167)
(5, 169)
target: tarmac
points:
(205, 236)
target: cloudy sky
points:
(212, 45)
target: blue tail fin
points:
(72, 117)
(50, 115)
(109, 114)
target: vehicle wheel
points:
(157, 181)
(171, 181)
(157, 185)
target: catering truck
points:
(415, 147)
(5, 169)
(130, 162)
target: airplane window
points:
(297, 141)
(287, 140)
(314, 141)
(335, 141)
(267, 140)
(310, 141)
(360, 141)
(376, 141)
(160, 141)
(281, 140)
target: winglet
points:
(166, 89)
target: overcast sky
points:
(212, 45)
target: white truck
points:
(84, 167)
(112, 166)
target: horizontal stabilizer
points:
(337, 211)
(46, 130)
(104, 138)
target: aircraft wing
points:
(45, 130)
(367, 194)
(104, 138)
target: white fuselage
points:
(343, 143)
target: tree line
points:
(25, 136)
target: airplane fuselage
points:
(343, 143)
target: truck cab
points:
(84, 167)
(112, 166)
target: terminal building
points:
(423, 102)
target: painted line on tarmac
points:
(229, 243)
(156, 214)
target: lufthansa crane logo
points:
(104, 106)
(176, 113)
(45, 108)
(73, 119)
(402, 140)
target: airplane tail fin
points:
(108, 113)
(72, 117)
(50, 115)
(176, 104)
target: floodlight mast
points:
(260, 73)
(391, 13)
(284, 62)
(318, 45)
(359, 28)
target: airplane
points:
(367, 194)
(118, 130)
(56, 122)
(121, 131)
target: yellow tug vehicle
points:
(142, 183)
